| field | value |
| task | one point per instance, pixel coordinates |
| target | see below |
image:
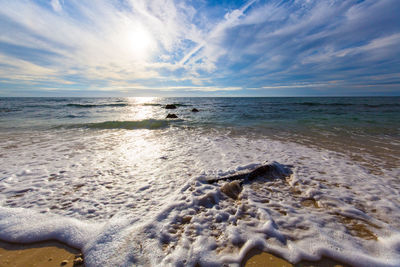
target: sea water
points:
(115, 178)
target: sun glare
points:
(143, 100)
(140, 42)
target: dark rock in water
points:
(170, 106)
(171, 116)
(195, 110)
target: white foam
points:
(141, 197)
(23, 225)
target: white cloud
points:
(374, 49)
(103, 42)
(55, 4)
(134, 87)
(133, 42)
(211, 47)
(300, 85)
(17, 70)
(110, 43)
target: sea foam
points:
(142, 197)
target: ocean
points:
(115, 178)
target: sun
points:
(140, 42)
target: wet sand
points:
(258, 258)
(53, 253)
(43, 254)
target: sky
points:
(199, 48)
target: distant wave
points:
(382, 105)
(348, 104)
(42, 106)
(152, 104)
(97, 105)
(73, 116)
(182, 105)
(324, 104)
(150, 124)
(163, 105)
(7, 110)
(59, 99)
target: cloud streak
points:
(56, 5)
(168, 45)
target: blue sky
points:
(199, 48)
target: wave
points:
(163, 105)
(150, 124)
(152, 104)
(7, 110)
(324, 104)
(381, 105)
(73, 116)
(97, 105)
(349, 104)
(182, 105)
(44, 106)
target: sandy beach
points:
(113, 176)
(53, 253)
(43, 254)
(205, 133)
(258, 258)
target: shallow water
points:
(113, 177)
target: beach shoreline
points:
(55, 253)
(115, 178)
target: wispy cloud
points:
(56, 5)
(169, 45)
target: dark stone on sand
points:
(171, 116)
(64, 262)
(78, 261)
(232, 189)
(80, 255)
(186, 219)
(170, 106)
(195, 110)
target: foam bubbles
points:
(142, 197)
